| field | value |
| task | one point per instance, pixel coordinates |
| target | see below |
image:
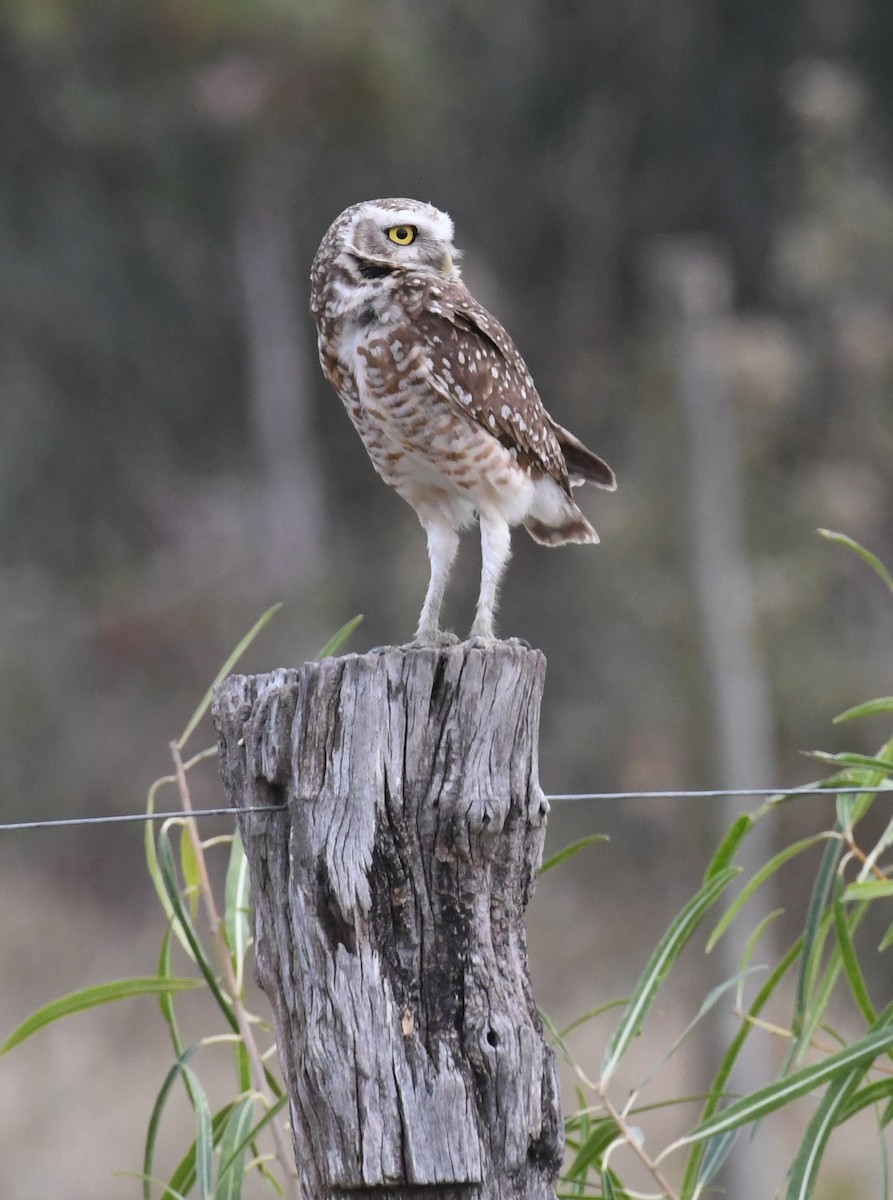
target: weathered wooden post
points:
(388, 898)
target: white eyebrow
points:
(439, 223)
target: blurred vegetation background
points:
(171, 461)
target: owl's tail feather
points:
(582, 465)
(574, 529)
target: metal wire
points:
(692, 794)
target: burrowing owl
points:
(441, 397)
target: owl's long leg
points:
(443, 542)
(496, 548)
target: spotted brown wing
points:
(474, 364)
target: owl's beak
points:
(446, 263)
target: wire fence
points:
(690, 794)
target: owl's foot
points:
(437, 638)
(487, 643)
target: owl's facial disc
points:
(414, 238)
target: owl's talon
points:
(482, 643)
(442, 639)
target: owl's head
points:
(395, 233)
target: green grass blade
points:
(92, 997)
(334, 644)
(730, 843)
(822, 992)
(155, 1119)
(691, 1177)
(820, 986)
(232, 1161)
(183, 1178)
(598, 1138)
(248, 1136)
(667, 951)
(879, 1092)
(754, 938)
(765, 872)
(189, 869)
(869, 889)
(154, 869)
(845, 925)
(147, 1180)
(870, 708)
(813, 938)
(611, 1186)
(169, 876)
(873, 561)
(569, 851)
(590, 1016)
(769, 1099)
(713, 997)
(243, 1066)
(204, 1135)
(805, 1167)
(715, 1154)
(205, 702)
(237, 907)
(166, 999)
(863, 762)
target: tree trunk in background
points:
(281, 366)
(692, 287)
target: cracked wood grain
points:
(388, 900)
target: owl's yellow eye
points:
(403, 235)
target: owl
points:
(443, 401)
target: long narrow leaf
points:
(334, 644)
(820, 985)
(232, 1161)
(711, 999)
(204, 1136)
(205, 702)
(812, 934)
(730, 843)
(155, 1118)
(183, 1177)
(168, 873)
(879, 1092)
(873, 561)
(190, 868)
(886, 941)
(667, 951)
(569, 851)
(602, 1134)
(611, 1187)
(805, 1167)
(153, 866)
(92, 997)
(239, 1147)
(769, 1099)
(236, 907)
(862, 761)
(715, 1154)
(590, 1016)
(757, 882)
(691, 1181)
(845, 925)
(147, 1180)
(869, 889)
(870, 708)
